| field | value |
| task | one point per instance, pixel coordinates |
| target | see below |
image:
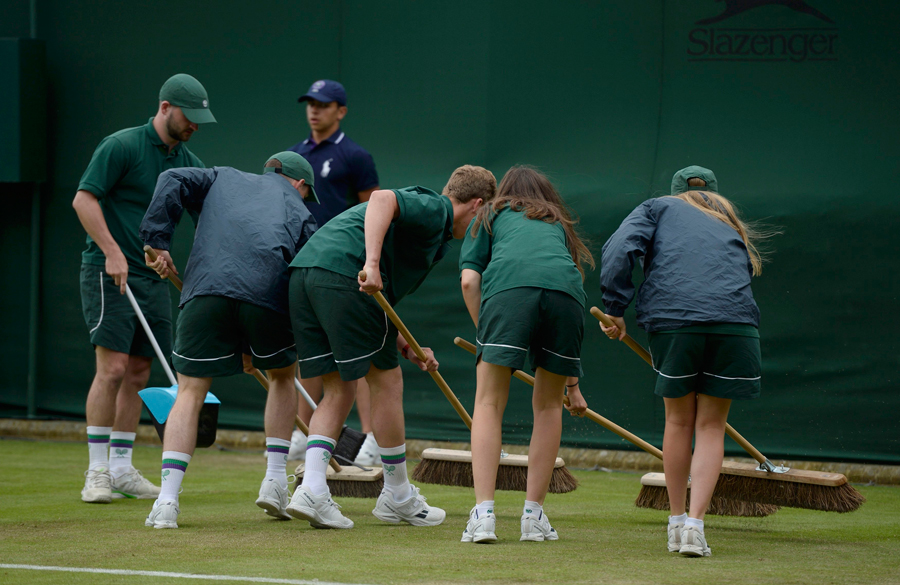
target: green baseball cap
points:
(680, 180)
(294, 166)
(187, 93)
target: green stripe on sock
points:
(102, 437)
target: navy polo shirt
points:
(342, 169)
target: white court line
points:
(171, 575)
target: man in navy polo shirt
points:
(345, 175)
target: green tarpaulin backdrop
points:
(794, 109)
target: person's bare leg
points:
(100, 409)
(386, 392)
(337, 399)
(128, 402)
(680, 415)
(364, 405)
(712, 415)
(491, 395)
(281, 404)
(546, 433)
(314, 388)
(181, 426)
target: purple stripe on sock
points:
(106, 440)
(278, 449)
(320, 445)
(178, 466)
(121, 445)
(393, 459)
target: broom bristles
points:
(657, 498)
(825, 498)
(509, 477)
(355, 489)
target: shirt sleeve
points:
(421, 213)
(108, 165)
(476, 252)
(177, 190)
(365, 176)
(629, 242)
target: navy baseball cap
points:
(325, 90)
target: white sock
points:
(673, 520)
(174, 464)
(485, 507)
(121, 447)
(98, 446)
(532, 509)
(695, 523)
(277, 453)
(393, 462)
(319, 449)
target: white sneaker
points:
(368, 453)
(273, 499)
(537, 528)
(97, 486)
(132, 484)
(674, 531)
(693, 543)
(163, 515)
(480, 529)
(298, 446)
(319, 511)
(412, 511)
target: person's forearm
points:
(382, 209)
(90, 214)
(471, 289)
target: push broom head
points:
(350, 482)
(450, 467)
(654, 496)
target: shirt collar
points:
(155, 140)
(334, 139)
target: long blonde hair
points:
(718, 207)
(524, 188)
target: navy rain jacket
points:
(696, 268)
(249, 229)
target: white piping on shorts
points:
(500, 345)
(675, 377)
(726, 378)
(383, 341)
(315, 357)
(560, 355)
(204, 359)
(271, 354)
(102, 305)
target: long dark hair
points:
(526, 189)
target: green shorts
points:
(213, 331)
(111, 320)
(547, 325)
(724, 366)
(337, 327)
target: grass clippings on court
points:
(603, 537)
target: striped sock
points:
(121, 446)
(174, 464)
(393, 462)
(277, 453)
(98, 444)
(318, 453)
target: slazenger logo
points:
(797, 44)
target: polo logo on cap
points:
(318, 85)
(205, 104)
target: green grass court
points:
(603, 537)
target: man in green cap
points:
(235, 296)
(112, 196)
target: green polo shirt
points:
(415, 241)
(122, 176)
(519, 253)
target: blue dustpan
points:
(159, 402)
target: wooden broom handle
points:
(395, 319)
(603, 422)
(264, 382)
(630, 342)
(172, 276)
